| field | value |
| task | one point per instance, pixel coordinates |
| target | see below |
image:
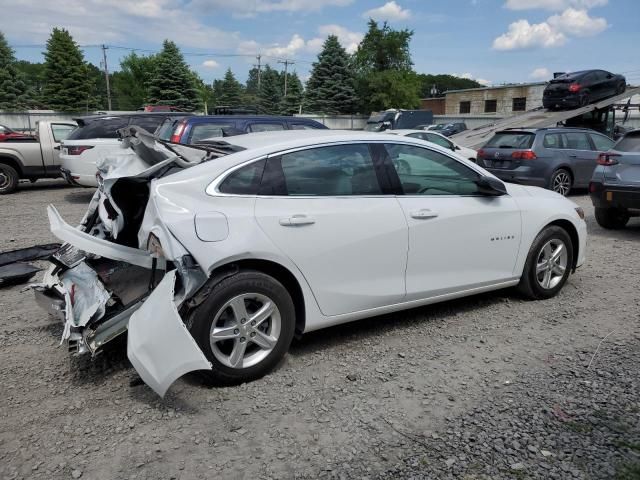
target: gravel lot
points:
(485, 387)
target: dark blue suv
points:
(558, 158)
(190, 130)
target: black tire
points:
(612, 218)
(555, 180)
(529, 285)
(585, 99)
(621, 88)
(8, 179)
(201, 319)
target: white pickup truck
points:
(31, 159)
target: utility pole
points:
(106, 75)
(258, 65)
(286, 65)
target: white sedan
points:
(438, 139)
(213, 258)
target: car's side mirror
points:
(491, 187)
(456, 147)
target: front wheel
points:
(561, 182)
(8, 179)
(548, 264)
(244, 327)
(611, 218)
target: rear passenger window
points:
(244, 181)
(149, 123)
(438, 140)
(602, 143)
(552, 140)
(206, 130)
(265, 127)
(330, 171)
(100, 128)
(300, 126)
(576, 141)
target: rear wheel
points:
(612, 218)
(584, 100)
(8, 179)
(548, 264)
(621, 88)
(244, 327)
(561, 182)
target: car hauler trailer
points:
(598, 116)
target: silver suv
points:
(558, 158)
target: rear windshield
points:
(99, 128)
(511, 140)
(629, 143)
(165, 130)
(203, 131)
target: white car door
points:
(323, 207)
(458, 239)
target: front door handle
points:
(424, 213)
(295, 220)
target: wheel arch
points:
(571, 230)
(275, 270)
(13, 163)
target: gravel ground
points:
(490, 386)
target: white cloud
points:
(551, 33)
(210, 64)
(555, 5)
(388, 11)
(522, 34)
(119, 22)
(577, 23)
(540, 74)
(297, 44)
(469, 76)
(251, 8)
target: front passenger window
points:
(426, 172)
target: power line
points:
(286, 65)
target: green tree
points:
(33, 75)
(130, 85)
(13, 89)
(251, 89)
(172, 82)
(68, 85)
(383, 49)
(330, 88)
(290, 104)
(206, 94)
(389, 89)
(230, 90)
(270, 93)
(443, 83)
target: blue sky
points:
(495, 41)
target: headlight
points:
(154, 247)
(580, 212)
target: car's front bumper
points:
(604, 195)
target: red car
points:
(7, 134)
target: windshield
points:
(511, 140)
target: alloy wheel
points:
(561, 183)
(245, 330)
(551, 263)
(4, 180)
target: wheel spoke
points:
(264, 341)
(262, 314)
(541, 267)
(546, 281)
(237, 354)
(559, 269)
(239, 309)
(557, 252)
(548, 251)
(224, 333)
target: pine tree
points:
(270, 92)
(13, 89)
(290, 105)
(172, 82)
(67, 84)
(330, 88)
(230, 90)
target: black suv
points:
(559, 158)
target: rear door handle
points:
(295, 220)
(423, 213)
(573, 156)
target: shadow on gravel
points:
(630, 232)
(80, 196)
(416, 318)
(111, 361)
(43, 185)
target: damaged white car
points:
(213, 257)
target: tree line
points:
(377, 76)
